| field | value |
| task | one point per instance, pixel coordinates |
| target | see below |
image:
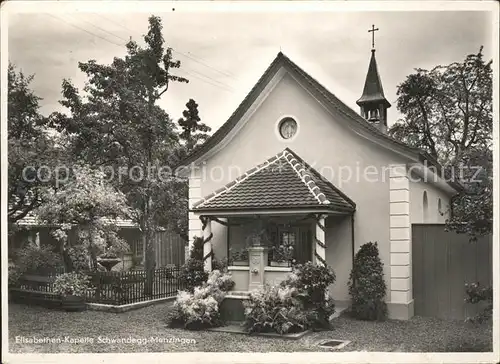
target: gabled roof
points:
(314, 86)
(322, 94)
(373, 91)
(284, 181)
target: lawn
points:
(418, 334)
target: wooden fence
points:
(443, 262)
(113, 288)
(169, 246)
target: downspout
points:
(352, 243)
(352, 237)
(228, 239)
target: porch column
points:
(207, 245)
(320, 250)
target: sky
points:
(224, 54)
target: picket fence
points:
(113, 288)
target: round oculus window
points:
(288, 128)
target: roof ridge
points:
(229, 186)
(300, 169)
(322, 178)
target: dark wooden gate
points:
(443, 262)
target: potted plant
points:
(72, 288)
(258, 238)
(282, 255)
(240, 257)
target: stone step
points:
(243, 295)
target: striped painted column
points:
(207, 245)
(320, 248)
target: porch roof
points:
(284, 181)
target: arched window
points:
(425, 206)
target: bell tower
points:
(373, 104)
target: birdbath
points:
(108, 262)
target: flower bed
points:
(200, 309)
(296, 304)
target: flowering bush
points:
(367, 286)
(86, 200)
(221, 281)
(478, 295)
(200, 308)
(275, 309)
(297, 303)
(76, 284)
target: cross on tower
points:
(373, 30)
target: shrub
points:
(41, 260)
(297, 303)
(200, 308)
(14, 274)
(193, 272)
(197, 249)
(72, 284)
(312, 281)
(480, 295)
(275, 309)
(219, 264)
(367, 286)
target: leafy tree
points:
(118, 125)
(86, 202)
(472, 208)
(447, 112)
(29, 148)
(194, 132)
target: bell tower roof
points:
(373, 91)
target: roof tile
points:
(284, 181)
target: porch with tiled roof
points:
(282, 196)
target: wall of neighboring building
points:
(424, 203)
(325, 142)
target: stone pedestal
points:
(257, 261)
